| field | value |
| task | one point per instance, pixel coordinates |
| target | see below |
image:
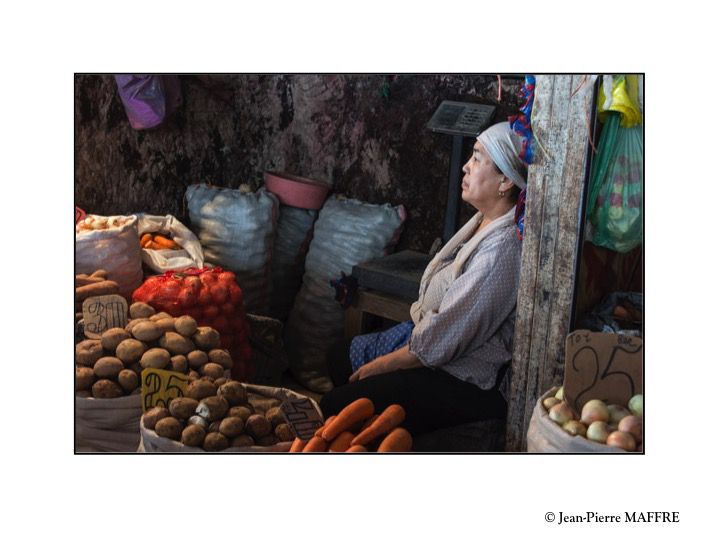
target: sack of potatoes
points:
(229, 417)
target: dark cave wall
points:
(363, 134)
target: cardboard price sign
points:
(602, 366)
(101, 313)
(159, 387)
(302, 417)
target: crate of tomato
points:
(213, 298)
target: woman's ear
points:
(506, 185)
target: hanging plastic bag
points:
(615, 202)
(148, 99)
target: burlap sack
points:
(107, 425)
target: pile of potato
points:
(110, 367)
(216, 417)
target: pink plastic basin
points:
(295, 190)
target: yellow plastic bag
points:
(619, 93)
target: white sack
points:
(162, 260)
(107, 425)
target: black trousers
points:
(432, 398)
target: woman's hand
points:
(374, 367)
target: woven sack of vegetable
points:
(189, 253)
(547, 437)
(236, 230)
(294, 232)
(260, 397)
(107, 425)
(110, 243)
(347, 232)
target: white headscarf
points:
(504, 147)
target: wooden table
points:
(370, 302)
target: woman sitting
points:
(447, 366)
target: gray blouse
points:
(465, 314)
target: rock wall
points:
(364, 135)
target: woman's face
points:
(481, 181)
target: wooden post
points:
(561, 116)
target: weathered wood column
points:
(552, 224)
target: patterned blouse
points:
(465, 315)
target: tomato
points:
(204, 297)
(187, 298)
(236, 296)
(210, 312)
(226, 341)
(221, 324)
(219, 293)
(195, 313)
(227, 309)
(170, 289)
(193, 283)
(227, 277)
(208, 278)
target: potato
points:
(151, 417)
(284, 433)
(146, 331)
(197, 359)
(268, 440)
(200, 389)
(83, 394)
(179, 363)
(155, 358)
(194, 375)
(84, 378)
(275, 416)
(242, 412)
(166, 325)
(206, 338)
(243, 440)
(106, 389)
(134, 322)
(219, 381)
(176, 344)
(214, 427)
(183, 407)
(160, 315)
(214, 371)
(258, 426)
(193, 435)
(138, 390)
(128, 379)
(185, 326)
(212, 408)
(169, 427)
(141, 310)
(130, 351)
(88, 351)
(231, 426)
(137, 368)
(111, 338)
(108, 367)
(222, 357)
(234, 392)
(215, 442)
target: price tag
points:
(101, 313)
(159, 387)
(302, 417)
(602, 366)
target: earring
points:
(501, 193)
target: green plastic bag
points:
(615, 201)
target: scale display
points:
(458, 118)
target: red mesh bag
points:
(213, 298)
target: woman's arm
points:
(399, 359)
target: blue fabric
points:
(367, 347)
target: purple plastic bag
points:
(148, 99)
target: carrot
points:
(96, 289)
(367, 422)
(356, 448)
(399, 440)
(164, 243)
(357, 411)
(320, 430)
(316, 444)
(145, 239)
(341, 442)
(297, 445)
(390, 418)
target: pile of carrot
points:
(358, 429)
(157, 241)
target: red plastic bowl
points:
(296, 191)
